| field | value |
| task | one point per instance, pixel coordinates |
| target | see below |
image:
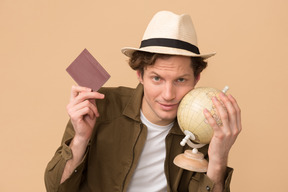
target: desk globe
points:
(194, 125)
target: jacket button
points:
(208, 188)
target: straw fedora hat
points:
(169, 33)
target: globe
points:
(190, 114)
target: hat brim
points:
(128, 51)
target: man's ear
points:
(139, 76)
(197, 79)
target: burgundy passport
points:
(87, 71)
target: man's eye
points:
(156, 78)
(181, 80)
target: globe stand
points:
(191, 160)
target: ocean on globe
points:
(190, 114)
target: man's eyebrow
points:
(155, 73)
(184, 75)
(180, 76)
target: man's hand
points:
(224, 136)
(83, 111)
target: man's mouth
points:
(168, 106)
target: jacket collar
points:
(176, 129)
(132, 109)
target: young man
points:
(124, 139)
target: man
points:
(124, 139)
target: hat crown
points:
(169, 25)
(169, 33)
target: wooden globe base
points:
(191, 161)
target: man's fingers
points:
(91, 96)
(229, 113)
(75, 90)
(230, 110)
(238, 111)
(222, 114)
(78, 96)
(88, 105)
(225, 111)
(79, 114)
(83, 102)
(210, 119)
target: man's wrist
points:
(79, 141)
(216, 171)
(78, 146)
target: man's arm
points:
(223, 138)
(78, 148)
(83, 114)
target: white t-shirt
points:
(149, 174)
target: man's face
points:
(165, 84)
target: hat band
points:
(174, 43)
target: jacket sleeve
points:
(55, 167)
(201, 183)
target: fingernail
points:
(221, 93)
(230, 96)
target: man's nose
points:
(169, 92)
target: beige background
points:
(39, 39)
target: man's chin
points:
(168, 117)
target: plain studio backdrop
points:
(39, 39)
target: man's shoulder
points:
(116, 97)
(115, 102)
(121, 90)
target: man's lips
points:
(168, 106)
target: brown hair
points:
(139, 60)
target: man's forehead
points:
(169, 71)
(171, 63)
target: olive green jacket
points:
(115, 148)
